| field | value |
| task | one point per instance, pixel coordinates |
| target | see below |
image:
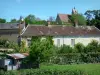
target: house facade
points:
(11, 31)
(68, 35)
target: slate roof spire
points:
(74, 11)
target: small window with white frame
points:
(58, 42)
(72, 42)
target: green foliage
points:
(43, 72)
(78, 54)
(2, 20)
(92, 46)
(79, 47)
(41, 22)
(30, 19)
(23, 48)
(3, 43)
(65, 49)
(79, 18)
(40, 49)
(13, 21)
(74, 69)
(88, 69)
(93, 17)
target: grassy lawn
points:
(91, 69)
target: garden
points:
(64, 60)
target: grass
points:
(91, 69)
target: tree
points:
(79, 47)
(92, 46)
(79, 18)
(2, 20)
(13, 21)
(93, 17)
(30, 19)
(40, 49)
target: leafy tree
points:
(30, 19)
(79, 18)
(79, 47)
(92, 46)
(41, 22)
(65, 49)
(40, 49)
(13, 21)
(2, 20)
(93, 17)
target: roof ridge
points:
(63, 14)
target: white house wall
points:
(67, 40)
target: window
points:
(72, 42)
(58, 42)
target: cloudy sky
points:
(44, 8)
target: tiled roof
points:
(8, 31)
(18, 55)
(61, 31)
(10, 25)
(64, 17)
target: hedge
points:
(43, 72)
(70, 58)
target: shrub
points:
(41, 49)
(65, 49)
(4, 43)
(79, 47)
(43, 72)
(92, 46)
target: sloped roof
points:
(18, 55)
(59, 30)
(9, 31)
(10, 25)
(64, 17)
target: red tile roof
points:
(56, 30)
(64, 17)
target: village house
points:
(68, 35)
(11, 31)
(65, 18)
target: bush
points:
(65, 49)
(92, 46)
(79, 47)
(41, 49)
(4, 43)
(43, 72)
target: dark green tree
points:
(79, 18)
(40, 48)
(30, 19)
(2, 20)
(13, 21)
(93, 17)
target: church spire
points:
(74, 11)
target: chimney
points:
(48, 22)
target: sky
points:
(43, 9)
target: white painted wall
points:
(67, 40)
